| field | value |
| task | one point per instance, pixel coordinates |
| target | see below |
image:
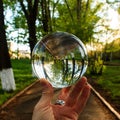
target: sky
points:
(16, 46)
(115, 19)
(110, 17)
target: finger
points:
(64, 93)
(80, 104)
(47, 93)
(72, 98)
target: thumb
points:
(47, 93)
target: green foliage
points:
(110, 82)
(113, 46)
(95, 66)
(119, 10)
(23, 77)
(9, 3)
(82, 27)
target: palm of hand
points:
(57, 112)
(75, 99)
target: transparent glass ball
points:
(61, 58)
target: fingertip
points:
(83, 78)
(45, 84)
(88, 87)
(82, 81)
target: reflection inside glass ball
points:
(61, 58)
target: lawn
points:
(108, 84)
(23, 77)
(110, 80)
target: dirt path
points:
(21, 106)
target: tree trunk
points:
(32, 33)
(6, 72)
(46, 18)
(31, 12)
(79, 7)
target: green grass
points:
(109, 81)
(23, 77)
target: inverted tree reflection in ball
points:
(61, 58)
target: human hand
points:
(75, 98)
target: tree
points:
(31, 12)
(113, 47)
(30, 9)
(78, 17)
(6, 72)
(46, 17)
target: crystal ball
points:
(61, 58)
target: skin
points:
(75, 98)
